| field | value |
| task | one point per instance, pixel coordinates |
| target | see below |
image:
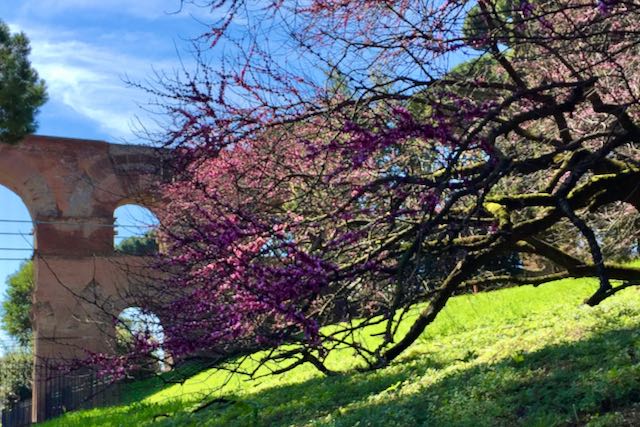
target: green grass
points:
(521, 356)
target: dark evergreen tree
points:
(22, 91)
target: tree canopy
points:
(139, 245)
(296, 205)
(16, 370)
(16, 307)
(22, 92)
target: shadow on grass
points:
(558, 385)
(567, 384)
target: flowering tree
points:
(359, 162)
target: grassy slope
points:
(520, 356)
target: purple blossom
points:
(605, 6)
(526, 8)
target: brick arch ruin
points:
(71, 188)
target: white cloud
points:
(145, 9)
(89, 78)
(85, 63)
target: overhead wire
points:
(63, 223)
(26, 240)
(96, 224)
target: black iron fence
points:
(17, 414)
(63, 393)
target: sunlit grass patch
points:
(519, 356)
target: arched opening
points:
(16, 287)
(138, 329)
(135, 230)
(16, 274)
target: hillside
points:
(519, 356)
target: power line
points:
(16, 249)
(96, 224)
(2, 233)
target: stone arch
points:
(25, 180)
(133, 178)
(71, 188)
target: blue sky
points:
(85, 50)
